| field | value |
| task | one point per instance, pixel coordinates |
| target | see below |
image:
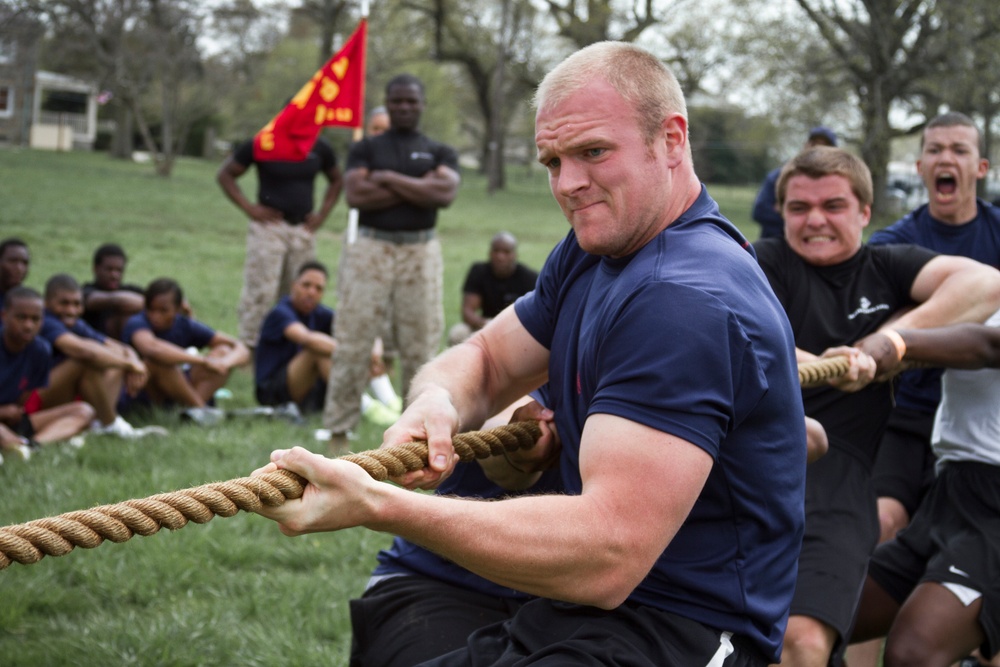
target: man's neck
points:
(963, 217)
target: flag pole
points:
(359, 132)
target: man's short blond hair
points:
(820, 161)
(643, 81)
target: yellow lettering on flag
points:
(329, 90)
(340, 67)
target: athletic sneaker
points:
(377, 412)
(119, 427)
(206, 416)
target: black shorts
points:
(904, 468)
(956, 532)
(404, 620)
(274, 391)
(545, 632)
(841, 532)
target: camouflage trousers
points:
(379, 279)
(275, 251)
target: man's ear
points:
(674, 132)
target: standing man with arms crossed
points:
(281, 235)
(683, 461)
(397, 180)
(954, 222)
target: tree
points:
(599, 20)
(146, 53)
(327, 16)
(493, 46)
(888, 49)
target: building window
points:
(6, 50)
(6, 101)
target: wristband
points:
(897, 340)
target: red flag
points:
(335, 95)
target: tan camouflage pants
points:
(275, 251)
(380, 279)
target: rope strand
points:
(28, 543)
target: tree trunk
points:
(876, 148)
(495, 172)
(121, 142)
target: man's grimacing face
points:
(608, 181)
(823, 218)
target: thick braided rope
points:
(817, 373)
(28, 543)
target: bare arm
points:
(362, 193)
(969, 346)
(594, 548)
(226, 177)
(951, 290)
(236, 352)
(316, 341)
(466, 384)
(93, 353)
(435, 189)
(472, 305)
(335, 182)
(163, 352)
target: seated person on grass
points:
(14, 262)
(85, 362)
(107, 302)
(24, 368)
(295, 346)
(492, 286)
(162, 335)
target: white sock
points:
(366, 402)
(381, 388)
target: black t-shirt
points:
(837, 305)
(288, 186)
(99, 318)
(498, 293)
(409, 153)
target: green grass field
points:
(233, 591)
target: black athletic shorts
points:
(404, 620)
(553, 634)
(841, 532)
(904, 468)
(953, 538)
(274, 391)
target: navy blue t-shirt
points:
(25, 370)
(184, 332)
(53, 328)
(685, 336)
(274, 351)
(920, 390)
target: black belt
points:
(399, 238)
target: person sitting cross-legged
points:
(162, 336)
(24, 367)
(86, 362)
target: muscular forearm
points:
(970, 295)
(968, 346)
(433, 190)
(543, 545)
